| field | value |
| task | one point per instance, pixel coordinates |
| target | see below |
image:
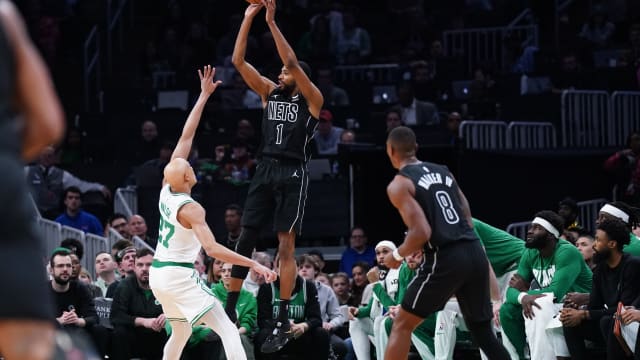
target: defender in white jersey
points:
(187, 301)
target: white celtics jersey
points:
(175, 242)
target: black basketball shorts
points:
(279, 190)
(459, 269)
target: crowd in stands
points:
(561, 286)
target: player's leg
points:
(400, 338)
(474, 299)
(427, 293)
(290, 195)
(180, 333)
(359, 331)
(180, 326)
(512, 323)
(257, 209)
(288, 269)
(218, 321)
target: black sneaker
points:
(278, 339)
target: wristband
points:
(520, 296)
(396, 255)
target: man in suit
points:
(415, 112)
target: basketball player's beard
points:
(287, 89)
(536, 242)
(601, 257)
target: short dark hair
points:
(71, 189)
(617, 231)
(58, 252)
(116, 216)
(305, 67)
(71, 244)
(403, 139)
(552, 217)
(235, 207)
(144, 252)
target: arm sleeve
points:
(365, 311)
(120, 306)
(84, 186)
(568, 268)
(524, 270)
(264, 305)
(312, 314)
(382, 295)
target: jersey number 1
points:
(165, 232)
(279, 130)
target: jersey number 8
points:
(449, 212)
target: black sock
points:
(230, 306)
(283, 315)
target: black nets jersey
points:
(438, 196)
(287, 126)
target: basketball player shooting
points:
(279, 186)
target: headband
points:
(547, 225)
(614, 211)
(387, 244)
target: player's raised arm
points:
(207, 87)
(36, 98)
(193, 215)
(250, 75)
(290, 61)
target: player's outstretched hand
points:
(269, 275)
(207, 85)
(252, 10)
(271, 9)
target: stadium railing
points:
(584, 118)
(484, 135)
(531, 135)
(519, 229)
(625, 116)
(51, 232)
(486, 45)
(125, 201)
